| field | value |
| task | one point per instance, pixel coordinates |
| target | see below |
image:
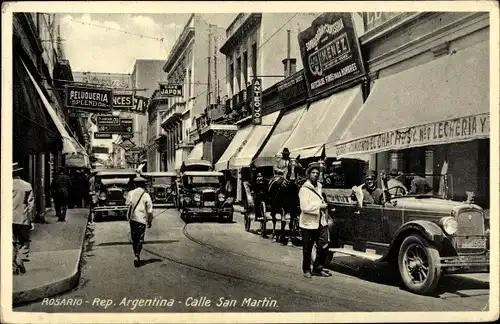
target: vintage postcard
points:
(250, 162)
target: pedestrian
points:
(92, 197)
(140, 215)
(60, 188)
(22, 217)
(313, 223)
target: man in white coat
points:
(313, 223)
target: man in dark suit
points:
(419, 185)
(60, 188)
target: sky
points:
(94, 49)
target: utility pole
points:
(209, 64)
(215, 71)
(288, 64)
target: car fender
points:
(427, 229)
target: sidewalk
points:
(55, 253)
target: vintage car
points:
(162, 187)
(201, 194)
(424, 236)
(112, 186)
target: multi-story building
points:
(43, 133)
(196, 64)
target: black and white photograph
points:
(209, 162)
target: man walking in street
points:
(140, 215)
(313, 223)
(61, 186)
(23, 202)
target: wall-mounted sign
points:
(293, 89)
(98, 135)
(88, 99)
(330, 52)
(453, 130)
(79, 113)
(170, 90)
(121, 101)
(140, 105)
(108, 120)
(108, 80)
(375, 19)
(127, 145)
(125, 126)
(100, 150)
(257, 101)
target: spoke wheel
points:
(418, 263)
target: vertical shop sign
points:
(330, 52)
(257, 101)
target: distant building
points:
(196, 63)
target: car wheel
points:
(97, 216)
(248, 222)
(229, 218)
(418, 263)
(187, 218)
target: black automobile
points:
(162, 187)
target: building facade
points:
(44, 135)
(195, 63)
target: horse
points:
(284, 197)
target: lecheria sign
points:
(448, 131)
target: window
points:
(231, 78)
(254, 59)
(238, 73)
(245, 69)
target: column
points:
(429, 166)
(238, 185)
(396, 161)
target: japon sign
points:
(89, 99)
(330, 52)
(257, 101)
(171, 90)
(453, 130)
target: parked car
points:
(112, 186)
(202, 195)
(162, 187)
(424, 236)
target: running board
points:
(269, 218)
(368, 255)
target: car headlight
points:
(125, 193)
(449, 225)
(102, 196)
(169, 190)
(221, 197)
(187, 200)
(197, 197)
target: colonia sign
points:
(257, 101)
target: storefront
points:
(429, 114)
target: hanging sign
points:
(330, 52)
(108, 120)
(127, 145)
(121, 101)
(98, 135)
(257, 101)
(170, 90)
(125, 126)
(88, 99)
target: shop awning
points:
(196, 152)
(443, 101)
(256, 138)
(69, 143)
(289, 120)
(320, 122)
(239, 138)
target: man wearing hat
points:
(313, 223)
(23, 202)
(140, 215)
(281, 166)
(394, 186)
(60, 188)
(369, 191)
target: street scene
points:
(252, 162)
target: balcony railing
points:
(228, 106)
(174, 111)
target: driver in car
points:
(394, 186)
(369, 191)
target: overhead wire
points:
(258, 48)
(160, 39)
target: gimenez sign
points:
(442, 132)
(89, 99)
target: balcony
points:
(174, 112)
(216, 112)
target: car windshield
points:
(161, 180)
(108, 181)
(198, 180)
